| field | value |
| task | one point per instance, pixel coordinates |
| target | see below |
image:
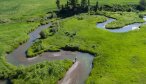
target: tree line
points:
(142, 5)
(74, 7)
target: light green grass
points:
(51, 43)
(11, 34)
(10, 37)
(122, 19)
(26, 9)
(22, 9)
(120, 57)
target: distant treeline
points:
(75, 7)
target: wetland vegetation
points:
(120, 58)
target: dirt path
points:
(71, 75)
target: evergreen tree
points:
(96, 6)
(89, 7)
(73, 3)
(84, 3)
(58, 4)
(67, 4)
(143, 4)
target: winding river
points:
(123, 29)
(77, 74)
(79, 71)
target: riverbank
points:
(127, 28)
(18, 57)
(115, 53)
(122, 19)
(70, 77)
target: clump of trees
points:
(51, 30)
(73, 7)
(58, 4)
(142, 5)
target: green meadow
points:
(26, 9)
(120, 58)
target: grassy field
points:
(15, 31)
(65, 34)
(16, 9)
(26, 9)
(111, 2)
(122, 19)
(11, 36)
(120, 57)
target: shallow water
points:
(3, 82)
(123, 29)
(144, 18)
(102, 25)
(18, 57)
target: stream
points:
(127, 28)
(79, 71)
(77, 74)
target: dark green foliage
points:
(142, 5)
(118, 7)
(84, 3)
(48, 32)
(45, 33)
(80, 17)
(58, 4)
(40, 47)
(73, 3)
(41, 73)
(70, 34)
(96, 6)
(71, 47)
(51, 30)
(89, 7)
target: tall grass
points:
(42, 73)
(107, 46)
(120, 57)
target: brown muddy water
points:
(77, 74)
